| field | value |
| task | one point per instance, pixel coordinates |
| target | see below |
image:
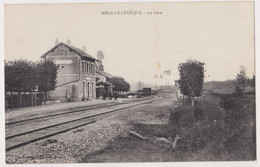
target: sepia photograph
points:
(129, 82)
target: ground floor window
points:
(92, 90)
(88, 89)
(84, 90)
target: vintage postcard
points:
(130, 82)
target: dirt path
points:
(147, 120)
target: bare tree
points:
(167, 73)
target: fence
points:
(184, 99)
(23, 99)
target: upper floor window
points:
(90, 68)
(93, 69)
(62, 52)
(87, 67)
(83, 66)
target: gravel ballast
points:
(72, 146)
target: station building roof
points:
(105, 74)
(105, 83)
(80, 52)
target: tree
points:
(100, 55)
(127, 87)
(167, 73)
(46, 71)
(120, 84)
(20, 77)
(242, 81)
(191, 79)
(161, 78)
(252, 82)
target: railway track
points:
(24, 138)
(66, 113)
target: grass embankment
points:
(217, 132)
(224, 132)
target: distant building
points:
(76, 77)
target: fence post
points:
(35, 102)
(24, 99)
(32, 98)
(12, 101)
(20, 99)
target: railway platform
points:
(62, 106)
(48, 108)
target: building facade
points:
(104, 87)
(76, 78)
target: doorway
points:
(88, 89)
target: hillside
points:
(222, 87)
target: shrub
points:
(181, 118)
(238, 91)
(250, 92)
(225, 135)
(199, 112)
(227, 101)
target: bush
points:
(199, 112)
(225, 134)
(228, 101)
(194, 131)
(239, 126)
(250, 92)
(238, 91)
(181, 118)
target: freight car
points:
(147, 91)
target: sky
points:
(136, 47)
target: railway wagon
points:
(147, 91)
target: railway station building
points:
(103, 86)
(76, 78)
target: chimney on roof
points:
(56, 41)
(84, 48)
(69, 42)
